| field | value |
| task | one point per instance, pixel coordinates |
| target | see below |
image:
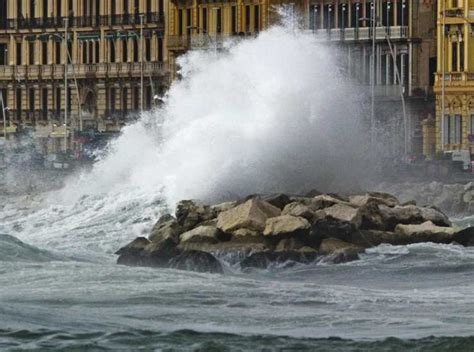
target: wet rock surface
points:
(263, 231)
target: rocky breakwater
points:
(263, 230)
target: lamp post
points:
(443, 68)
(65, 83)
(141, 63)
(400, 84)
(4, 110)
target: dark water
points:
(60, 289)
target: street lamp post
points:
(372, 81)
(141, 64)
(4, 109)
(400, 85)
(443, 82)
(65, 83)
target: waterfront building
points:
(454, 129)
(409, 26)
(204, 24)
(404, 41)
(116, 65)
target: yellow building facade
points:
(116, 64)
(454, 129)
(200, 24)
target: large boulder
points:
(133, 253)
(364, 199)
(199, 261)
(287, 225)
(342, 212)
(166, 228)
(465, 237)
(278, 200)
(331, 245)
(160, 253)
(202, 234)
(299, 210)
(324, 226)
(250, 215)
(393, 216)
(436, 216)
(425, 232)
(324, 201)
(369, 217)
(189, 214)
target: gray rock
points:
(166, 228)
(250, 215)
(196, 261)
(425, 232)
(133, 254)
(278, 200)
(206, 234)
(465, 237)
(299, 210)
(160, 253)
(287, 225)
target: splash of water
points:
(272, 113)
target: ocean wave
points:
(14, 250)
(190, 340)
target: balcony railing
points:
(86, 21)
(362, 33)
(81, 70)
(455, 78)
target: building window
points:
(58, 100)
(160, 50)
(356, 14)
(57, 47)
(124, 102)
(147, 49)
(96, 52)
(31, 99)
(234, 19)
(180, 22)
(343, 16)
(136, 98)
(135, 51)
(471, 124)
(18, 103)
(31, 52)
(452, 129)
(32, 9)
(124, 51)
(44, 53)
(112, 50)
(204, 19)
(112, 99)
(218, 20)
(18, 54)
(44, 104)
(247, 18)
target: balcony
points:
(361, 33)
(455, 79)
(101, 70)
(86, 21)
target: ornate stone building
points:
(455, 63)
(114, 49)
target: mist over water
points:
(273, 113)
